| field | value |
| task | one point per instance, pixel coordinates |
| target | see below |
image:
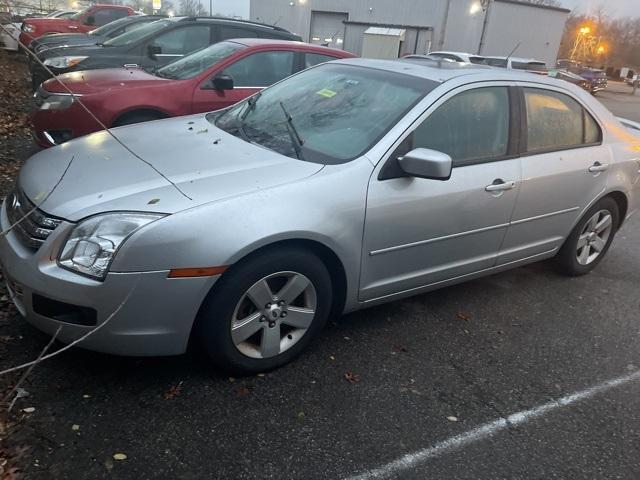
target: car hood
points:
(87, 50)
(58, 40)
(102, 80)
(190, 162)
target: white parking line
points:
(414, 459)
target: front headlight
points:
(64, 62)
(93, 243)
(53, 101)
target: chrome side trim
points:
(469, 232)
(503, 266)
(546, 215)
(437, 239)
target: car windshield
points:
(109, 27)
(328, 114)
(531, 66)
(80, 14)
(196, 63)
(134, 35)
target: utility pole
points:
(211, 8)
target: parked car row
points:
(210, 79)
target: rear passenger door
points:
(250, 74)
(564, 168)
(176, 43)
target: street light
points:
(585, 30)
(601, 49)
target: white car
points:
(515, 63)
(460, 57)
(9, 34)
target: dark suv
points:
(99, 35)
(153, 45)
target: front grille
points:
(35, 226)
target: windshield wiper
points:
(251, 103)
(296, 140)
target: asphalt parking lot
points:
(502, 377)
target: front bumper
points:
(155, 319)
(53, 127)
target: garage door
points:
(327, 28)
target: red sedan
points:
(210, 79)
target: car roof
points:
(257, 42)
(232, 21)
(444, 71)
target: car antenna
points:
(513, 51)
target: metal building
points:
(384, 28)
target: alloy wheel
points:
(594, 237)
(273, 314)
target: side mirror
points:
(426, 163)
(154, 50)
(222, 82)
(91, 20)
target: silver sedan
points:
(350, 184)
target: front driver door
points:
(250, 74)
(420, 232)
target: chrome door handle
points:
(500, 185)
(598, 167)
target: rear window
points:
(478, 60)
(531, 66)
(497, 62)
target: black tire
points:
(213, 325)
(566, 260)
(133, 118)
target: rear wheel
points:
(590, 239)
(265, 311)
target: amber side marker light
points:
(196, 272)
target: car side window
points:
(311, 59)
(226, 33)
(556, 121)
(261, 69)
(470, 127)
(181, 41)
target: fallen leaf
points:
(400, 348)
(119, 456)
(173, 391)
(75, 427)
(242, 392)
(351, 377)
(260, 375)
(463, 316)
(331, 357)
(231, 379)
(86, 396)
(301, 415)
(202, 131)
(452, 419)
(29, 410)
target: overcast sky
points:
(239, 8)
(615, 8)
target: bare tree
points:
(192, 8)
